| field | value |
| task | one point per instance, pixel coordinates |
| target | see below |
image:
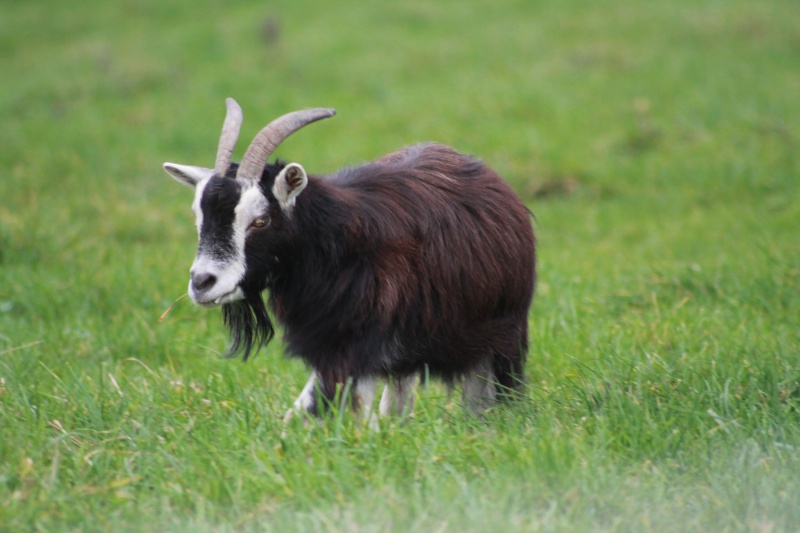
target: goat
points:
(421, 261)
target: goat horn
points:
(268, 139)
(227, 140)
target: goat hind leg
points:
(398, 396)
(480, 391)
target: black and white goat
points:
(422, 261)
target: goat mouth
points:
(230, 296)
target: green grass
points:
(657, 143)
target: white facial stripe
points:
(252, 205)
(198, 194)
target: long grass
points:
(657, 144)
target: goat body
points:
(422, 261)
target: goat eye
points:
(259, 222)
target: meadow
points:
(658, 144)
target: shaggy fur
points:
(421, 261)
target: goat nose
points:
(202, 281)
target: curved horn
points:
(268, 139)
(227, 140)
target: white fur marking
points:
(365, 393)
(252, 205)
(226, 289)
(306, 398)
(303, 402)
(198, 195)
(479, 387)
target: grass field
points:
(658, 144)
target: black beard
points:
(249, 325)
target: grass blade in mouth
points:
(165, 313)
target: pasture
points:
(658, 144)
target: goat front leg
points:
(306, 403)
(364, 399)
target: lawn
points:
(658, 144)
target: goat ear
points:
(288, 184)
(188, 175)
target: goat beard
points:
(249, 324)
